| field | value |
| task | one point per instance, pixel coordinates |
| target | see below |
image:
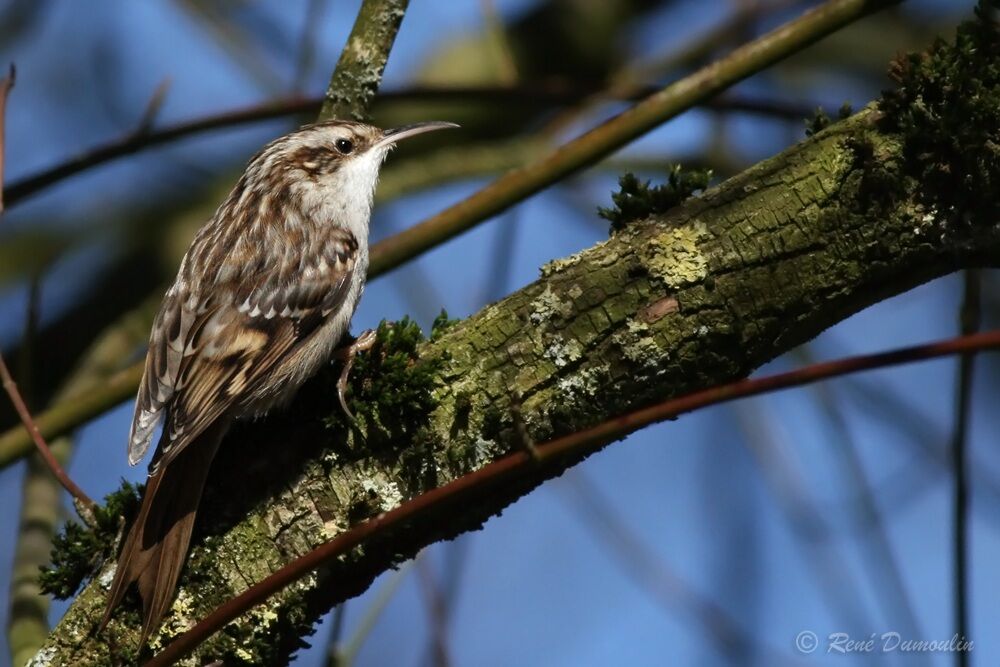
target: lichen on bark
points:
(702, 294)
(359, 70)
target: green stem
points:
(613, 134)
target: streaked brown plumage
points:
(262, 296)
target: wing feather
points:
(207, 355)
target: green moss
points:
(820, 120)
(637, 199)
(946, 110)
(390, 394)
(442, 323)
(78, 551)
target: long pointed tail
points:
(157, 543)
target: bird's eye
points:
(345, 146)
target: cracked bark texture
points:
(700, 295)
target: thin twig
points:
(575, 445)
(83, 503)
(153, 108)
(545, 94)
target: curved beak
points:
(399, 133)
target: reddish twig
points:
(83, 503)
(576, 445)
(550, 93)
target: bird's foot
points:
(346, 355)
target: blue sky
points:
(546, 583)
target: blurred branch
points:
(576, 445)
(235, 41)
(27, 624)
(70, 413)
(541, 94)
(6, 84)
(498, 43)
(808, 522)
(436, 613)
(884, 570)
(307, 43)
(84, 504)
(359, 70)
(698, 50)
(654, 577)
(347, 655)
(970, 316)
(454, 555)
(622, 129)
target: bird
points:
(262, 296)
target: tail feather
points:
(156, 547)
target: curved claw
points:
(362, 343)
(342, 389)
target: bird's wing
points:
(208, 351)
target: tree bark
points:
(682, 300)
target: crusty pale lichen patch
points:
(676, 257)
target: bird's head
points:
(321, 174)
(338, 161)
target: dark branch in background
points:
(543, 94)
(436, 612)
(576, 445)
(775, 464)
(883, 572)
(84, 504)
(5, 87)
(359, 70)
(307, 43)
(969, 320)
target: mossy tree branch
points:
(685, 299)
(359, 70)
